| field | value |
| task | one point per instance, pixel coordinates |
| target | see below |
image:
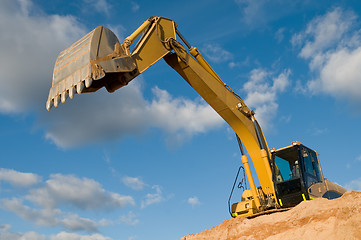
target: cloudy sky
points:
(153, 160)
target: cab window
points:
(287, 166)
(311, 167)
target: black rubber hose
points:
(230, 196)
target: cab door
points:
(311, 167)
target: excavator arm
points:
(99, 60)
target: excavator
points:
(287, 176)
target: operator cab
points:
(295, 169)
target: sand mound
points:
(317, 219)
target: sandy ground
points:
(317, 219)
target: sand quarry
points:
(317, 219)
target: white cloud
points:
(340, 76)
(29, 44)
(279, 35)
(153, 198)
(258, 14)
(252, 10)
(42, 205)
(216, 53)
(5, 234)
(5, 227)
(354, 185)
(74, 236)
(49, 217)
(262, 90)
(101, 6)
(42, 217)
(82, 193)
(105, 222)
(318, 131)
(193, 201)
(354, 162)
(333, 48)
(135, 6)
(110, 116)
(129, 219)
(133, 182)
(178, 115)
(324, 31)
(18, 178)
(73, 222)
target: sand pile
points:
(317, 219)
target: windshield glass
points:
(287, 165)
(312, 170)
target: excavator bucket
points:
(94, 61)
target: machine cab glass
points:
(295, 169)
(311, 166)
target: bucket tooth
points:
(49, 104)
(71, 92)
(79, 87)
(64, 96)
(56, 101)
(88, 82)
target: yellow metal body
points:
(119, 65)
(227, 105)
(99, 60)
(255, 200)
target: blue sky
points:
(152, 160)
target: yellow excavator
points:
(287, 176)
